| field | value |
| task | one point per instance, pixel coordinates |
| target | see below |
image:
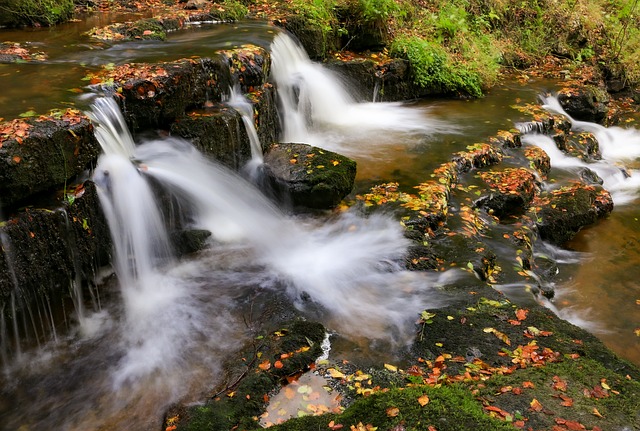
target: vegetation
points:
(35, 12)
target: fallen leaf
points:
(278, 364)
(391, 367)
(521, 313)
(536, 406)
(264, 365)
(335, 373)
(392, 412)
(597, 413)
(423, 400)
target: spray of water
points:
(240, 103)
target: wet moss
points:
(573, 390)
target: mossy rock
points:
(510, 191)
(309, 176)
(41, 153)
(572, 393)
(586, 103)
(561, 213)
(449, 408)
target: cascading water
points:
(316, 107)
(618, 146)
(241, 104)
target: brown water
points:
(598, 286)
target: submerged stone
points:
(309, 176)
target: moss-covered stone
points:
(561, 213)
(510, 191)
(309, 176)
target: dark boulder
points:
(587, 103)
(219, 133)
(563, 212)
(309, 176)
(39, 154)
(510, 191)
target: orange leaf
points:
(521, 313)
(536, 406)
(392, 412)
(423, 400)
(528, 385)
(265, 365)
(278, 364)
(16, 159)
(559, 384)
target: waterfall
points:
(241, 104)
(618, 146)
(344, 265)
(317, 108)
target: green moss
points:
(229, 10)
(31, 12)
(581, 381)
(450, 408)
(433, 68)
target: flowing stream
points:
(166, 324)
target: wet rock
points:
(562, 213)
(47, 249)
(507, 139)
(478, 156)
(189, 241)
(583, 145)
(249, 66)
(316, 40)
(539, 160)
(309, 176)
(590, 177)
(511, 191)
(219, 133)
(11, 52)
(587, 103)
(43, 153)
(153, 96)
(358, 75)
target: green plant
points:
(30, 12)
(319, 12)
(434, 68)
(379, 10)
(231, 10)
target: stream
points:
(163, 331)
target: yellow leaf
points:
(391, 367)
(392, 412)
(423, 400)
(597, 413)
(335, 373)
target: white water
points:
(241, 104)
(316, 107)
(619, 148)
